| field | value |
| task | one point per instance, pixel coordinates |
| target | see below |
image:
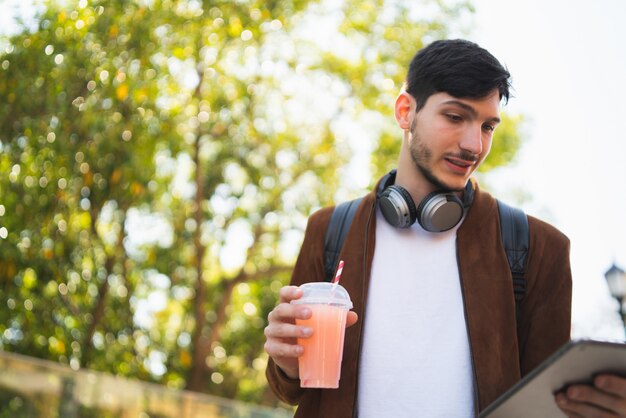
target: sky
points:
(568, 67)
(568, 70)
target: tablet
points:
(576, 362)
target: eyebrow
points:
(469, 109)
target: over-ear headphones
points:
(439, 211)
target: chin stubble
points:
(422, 155)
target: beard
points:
(422, 156)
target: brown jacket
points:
(499, 358)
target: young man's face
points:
(450, 137)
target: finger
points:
(351, 319)
(580, 409)
(612, 384)
(285, 330)
(563, 403)
(289, 293)
(286, 312)
(598, 398)
(278, 350)
(588, 401)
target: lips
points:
(461, 162)
(459, 165)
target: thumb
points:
(351, 319)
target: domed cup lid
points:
(324, 293)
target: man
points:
(438, 333)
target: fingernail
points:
(306, 332)
(306, 312)
(573, 393)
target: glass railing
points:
(37, 388)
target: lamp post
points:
(616, 279)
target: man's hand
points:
(282, 332)
(605, 398)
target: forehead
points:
(488, 104)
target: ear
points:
(404, 110)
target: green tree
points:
(159, 160)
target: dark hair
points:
(457, 67)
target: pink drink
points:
(320, 364)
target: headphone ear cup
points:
(398, 207)
(440, 211)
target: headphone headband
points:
(388, 180)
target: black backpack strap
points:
(336, 233)
(515, 239)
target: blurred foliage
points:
(159, 159)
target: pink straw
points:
(339, 270)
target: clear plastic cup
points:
(320, 364)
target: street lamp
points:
(616, 279)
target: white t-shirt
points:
(415, 357)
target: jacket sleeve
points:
(546, 308)
(309, 267)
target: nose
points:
(472, 140)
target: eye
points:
(488, 128)
(454, 117)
